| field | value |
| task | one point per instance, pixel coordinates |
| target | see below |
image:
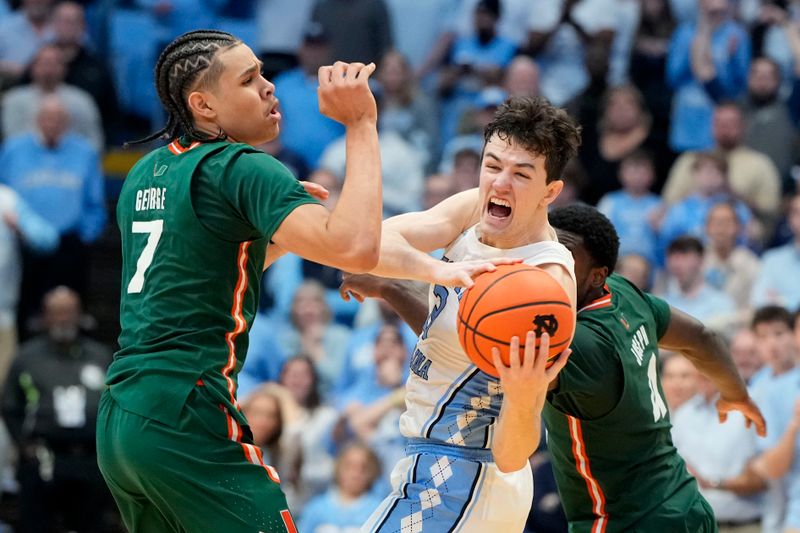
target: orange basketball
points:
(509, 302)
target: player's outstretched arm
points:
(348, 237)
(525, 383)
(707, 351)
(409, 238)
(408, 298)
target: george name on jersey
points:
(150, 198)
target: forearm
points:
(702, 63)
(745, 484)
(776, 462)
(410, 300)
(400, 260)
(355, 223)
(517, 435)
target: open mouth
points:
(499, 208)
(273, 112)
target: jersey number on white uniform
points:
(154, 228)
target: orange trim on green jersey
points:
(582, 465)
(176, 148)
(599, 303)
(238, 318)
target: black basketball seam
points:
(480, 354)
(492, 284)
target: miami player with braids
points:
(197, 219)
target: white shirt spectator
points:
(19, 40)
(417, 25)
(281, 24)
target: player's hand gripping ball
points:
(508, 302)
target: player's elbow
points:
(362, 259)
(508, 465)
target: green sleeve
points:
(591, 384)
(661, 313)
(248, 198)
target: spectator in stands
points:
(58, 174)
(624, 127)
(417, 27)
(50, 406)
(476, 61)
(649, 60)
(404, 109)
(575, 180)
(777, 394)
(350, 502)
(304, 129)
(521, 78)
(278, 43)
(717, 455)
(313, 333)
(19, 224)
(290, 159)
(771, 129)
(175, 17)
(265, 358)
(402, 169)
(714, 50)
(688, 291)
(437, 188)
(359, 30)
(774, 284)
(312, 430)
(678, 380)
(751, 175)
(634, 210)
(560, 33)
(371, 409)
(21, 35)
(710, 186)
(636, 269)
(84, 69)
(746, 356)
(20, 105)
(727, 265)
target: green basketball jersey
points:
(195, 222)
(608, 425)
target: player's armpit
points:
(308, 231)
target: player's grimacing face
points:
(513, 193)
(243, 100)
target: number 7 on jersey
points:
(154, 228)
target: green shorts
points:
(199, 476)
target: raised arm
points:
(349, 236)
(708, 352)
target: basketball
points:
(508, 302)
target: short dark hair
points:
(772, 313)
(593, 227)
(685, 243)
(540, 127)
(713, 157)
(639, 155)
(183, 62)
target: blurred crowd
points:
(690, 112)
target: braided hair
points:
(190, 57)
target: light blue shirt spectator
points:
(328, 513)
(631, 217)
(775, 284)
(303, 128)
(179, 16)
(776, 397)
(688, 217)
(418, 24)
(264, 357)
(716, 452)
(706, 304)
(62, 184)
(19, 40)
(692, 106)
(17, 219)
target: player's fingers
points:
(498, 363)
(530, 360)
(723, 416)
(513, 353)
(465, 280)
(316, 190)
(558, 365)
(324, 75)
(339, 69)
(366, 71)
(351, 73)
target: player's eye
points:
(523, 176)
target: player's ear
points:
(202, 104)
(598, 276)
(552, 191)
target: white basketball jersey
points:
(448, 399)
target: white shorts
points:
(434, 493)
